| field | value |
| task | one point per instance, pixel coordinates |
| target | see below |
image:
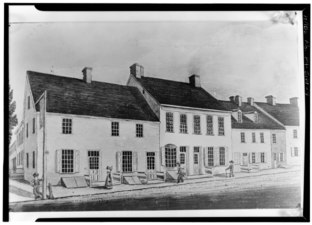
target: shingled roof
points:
(264, 122)
(287, 114)
(74, 96)
(179, 93)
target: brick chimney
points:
(294, 101)
(87, 74)
(271, 100)
(137, 70)
(250, 101)
(238, 100)
(232, 98)
(194, 80)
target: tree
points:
(12, 117)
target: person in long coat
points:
(231, 168)
(36, 186)
(108, 181)
(180, 173)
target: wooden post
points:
(44, 161)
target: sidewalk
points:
(62, 192)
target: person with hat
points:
(231, 168)
(108, 181)
(36, 184)
(180, 173)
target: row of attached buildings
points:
(147, 126)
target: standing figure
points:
(231, 168)
(108, 181)
(180, 173)
(36, 184)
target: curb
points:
(144, 188)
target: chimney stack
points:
(232, 98)
(271, 100)
(238, 100)
(250, 101)
(137, 70)
(87, 74)
(294, 101)
(194, 80)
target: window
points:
(253, 137)
(262, 157)
(222, 156)
(169, 122)
(33, 160)
(127, 161)
(210, 156)
(115, 128)
(34, 125)
(182, 154)
(262, 137)
(67, 161)
(295, 134)
(150, 160)
(67, 126)
(253, 157)
(28, 102)
(171, 156)
(274, 138)
(196, 124)
(27, 160)
(195, 158)
(139, 130)
(239, 117)
(296, 151)
(196, 149)
(93, 160)
(26, 129)
(281, 157)
(221, 125)
(242, 137)
(183, 124)
(209, 125)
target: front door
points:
(94, 170)
(196, 163)
(245, 159)
(274, 160)
(150, 163)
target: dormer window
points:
(239, 117)
(256, 117)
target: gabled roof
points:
(264, 122)
(287, 114)
(74, 96)
(179, 93)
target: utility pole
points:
(43, 106)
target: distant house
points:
(195, 129)
(256, 138)
(12, 158)
(288, 116)
(16, 153)
(89, 125)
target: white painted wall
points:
(279, 147)
(94, 133)
(249, 147)
(292, 142)
(190, 139)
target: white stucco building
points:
(195, 129)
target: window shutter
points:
(292, 151)
(145, 161)
(134, 161)
(216, 154)
(201, 160)
(157, 161)
(226, 152)
(258, 156)
(205, 157)
(250, 157)
(118, 161)
(58, 161)
(76, 161)
(101, 165)
(187, 160)
(163, 157)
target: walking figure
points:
(108, 181)
(231, 168)
(36, 184)
(180, 173)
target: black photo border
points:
(305, 8)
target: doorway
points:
(196, 161)
(150, 162)
(245, 159)
(94, 170)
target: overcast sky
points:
(251, 57)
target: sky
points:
(235, 53)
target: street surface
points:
(264, 191)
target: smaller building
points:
(256, 138)
(12, 158)
(16, 154)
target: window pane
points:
(221, 125)
(209, 125)
(67, 161)
(222, 156)
(171, 157)
(183, 124)
(115, 128)
(197, 125)
(169, 122)
(210, 156)
(127, 161)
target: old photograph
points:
(133, 111)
